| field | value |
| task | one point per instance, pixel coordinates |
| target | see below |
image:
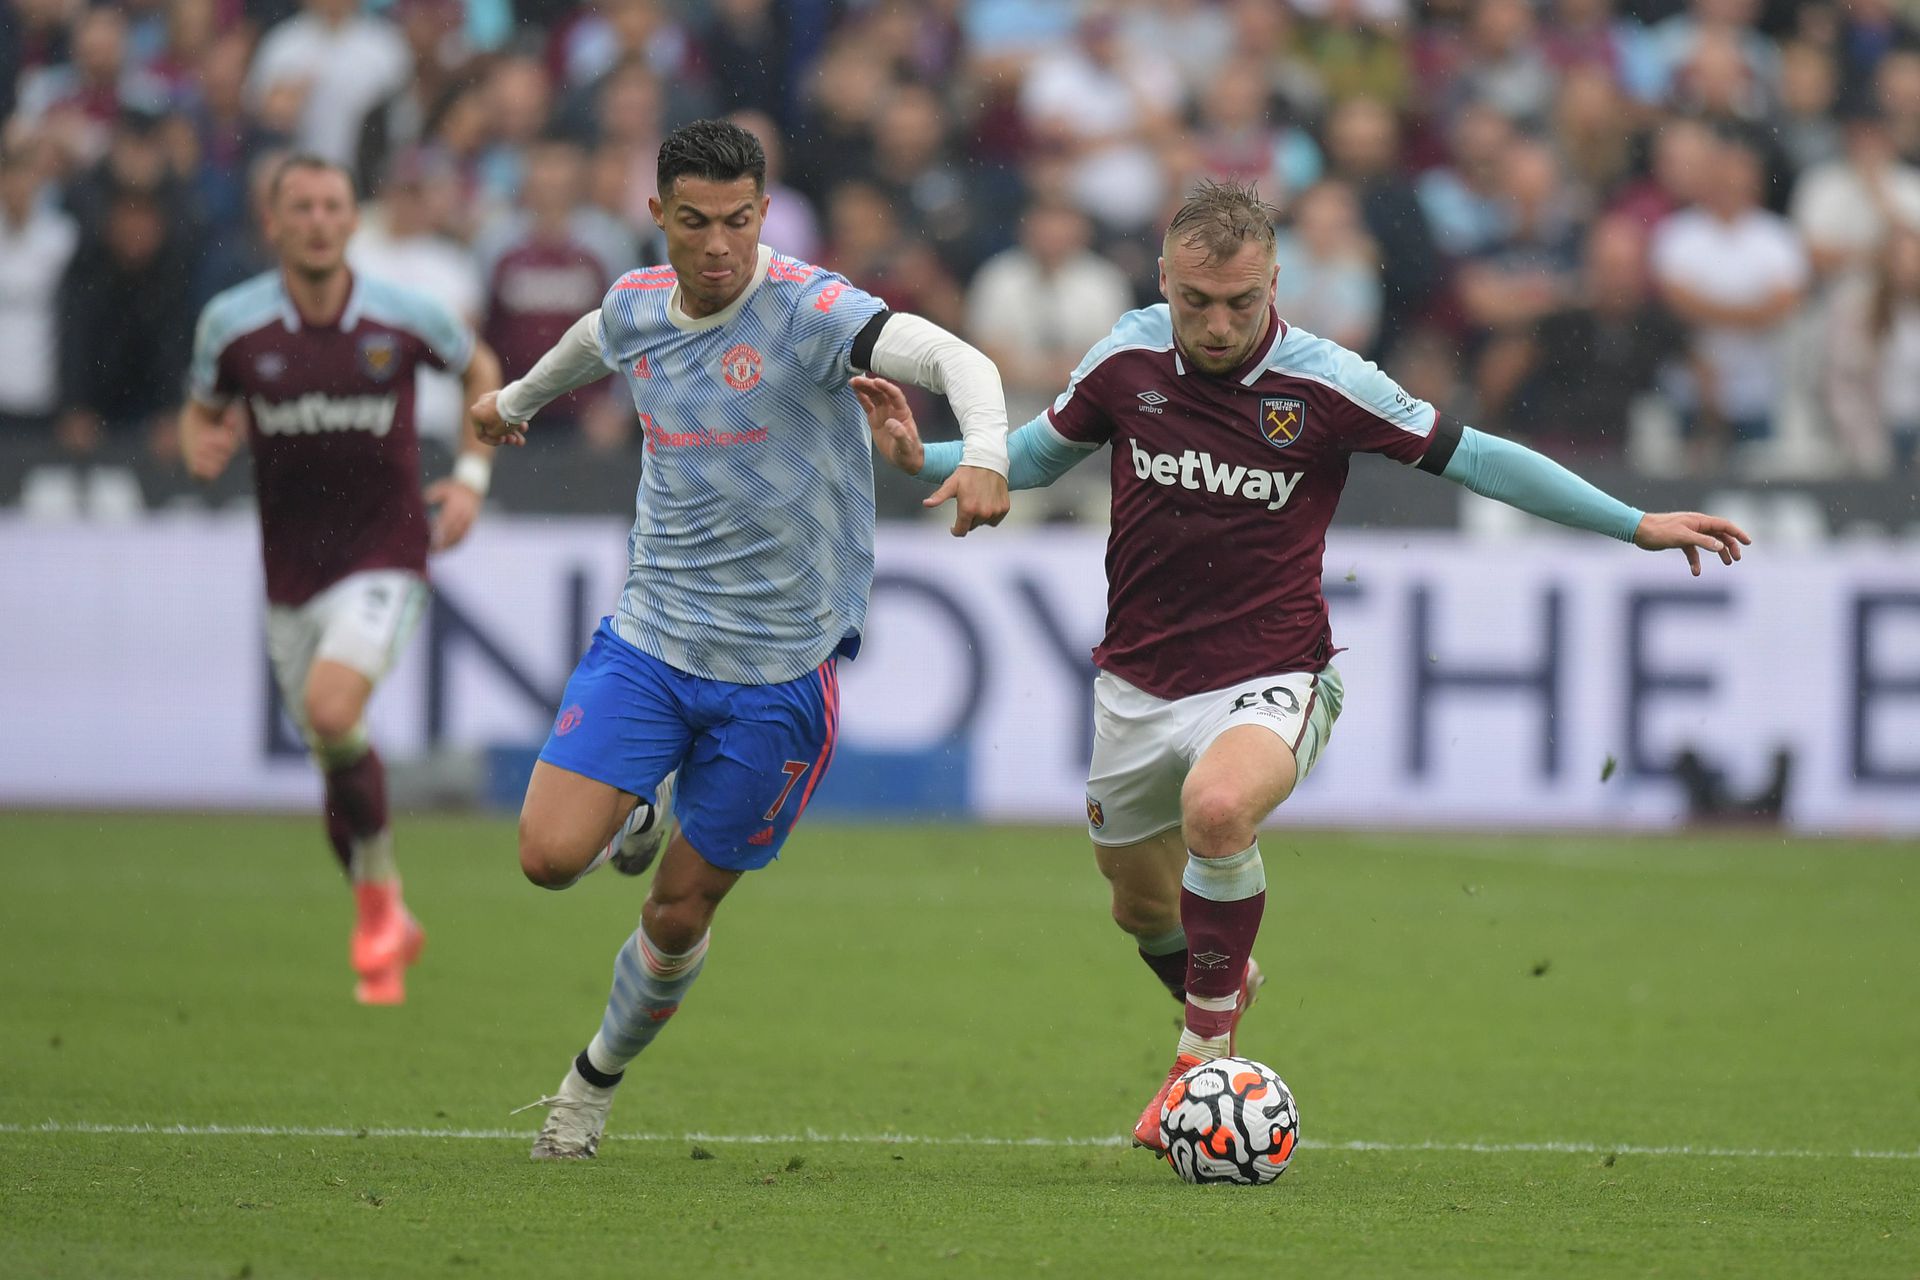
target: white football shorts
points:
(361, 621)
(1143, 746)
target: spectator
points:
(1808, 89)
(137, 158)
(1869, 30)
(868, 245)
(192, 26)
(547, 265)
(915, 165)
(37, 242)
(230, 139)
(628, 120)
(78, 103)
(618, 31)
(237, 249)
(1843, 209)
(1682, 154)
(1585, 368)
(1525, 275)
(1461, 201)
(835, 136)
(1329, 281)
(35, 36)
(340, 64)
(746, 42)
(1897, 91)
(1241, 135)
(1364, 147)
(459, 134)
(1872, 383)
(1733, 273)
(1038, 307)
(1673, 41)
(1109, 113)
(1195, 37)
(1718, 81)
(123, 348)
(1354, 51)
(519, 100)
(398, 241)
(1264, 33)
(1504, 65)
(1588, 35)
(1592, 132)
(792, 226)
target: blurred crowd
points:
(1682, 233)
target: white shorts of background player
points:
(1143, 746)
(362, 621)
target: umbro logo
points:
(1150, 401)
(1211, 959)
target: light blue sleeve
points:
(1516, 475)
(1037, 455)
(448, 340)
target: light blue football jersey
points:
(751, 556)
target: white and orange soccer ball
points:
(1230, 1120)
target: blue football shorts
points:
(749, 755)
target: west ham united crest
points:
(379, 355)
(1282, 419)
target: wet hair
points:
(1220, 217)
(716, 150)
(304, 161)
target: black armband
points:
(863, 341)
(1445, 439)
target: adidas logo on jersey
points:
(1190, 470)
(315, 413)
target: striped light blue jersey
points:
(751, 556)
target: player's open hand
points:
(980, 498)
(895, 437)
(490, 426)
(458, 507)
(1693, 533)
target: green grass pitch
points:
(1499, 1045)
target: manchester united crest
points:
(379, 356)
(741, 367)
(1282, 419)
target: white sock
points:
(373, 859)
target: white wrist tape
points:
(475, 471)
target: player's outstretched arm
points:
(912, 349)
(208, 439)
(457, 497)
(1516, 475)
(1037, 455)
(570, 363)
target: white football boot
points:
(576, 1117)
(646, 833)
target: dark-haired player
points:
(318, 364)
(1216, 694)
(749, 567)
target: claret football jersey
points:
(336, 462)
(1223, 488)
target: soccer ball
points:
(1230, 1120)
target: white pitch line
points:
(922, 1140)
